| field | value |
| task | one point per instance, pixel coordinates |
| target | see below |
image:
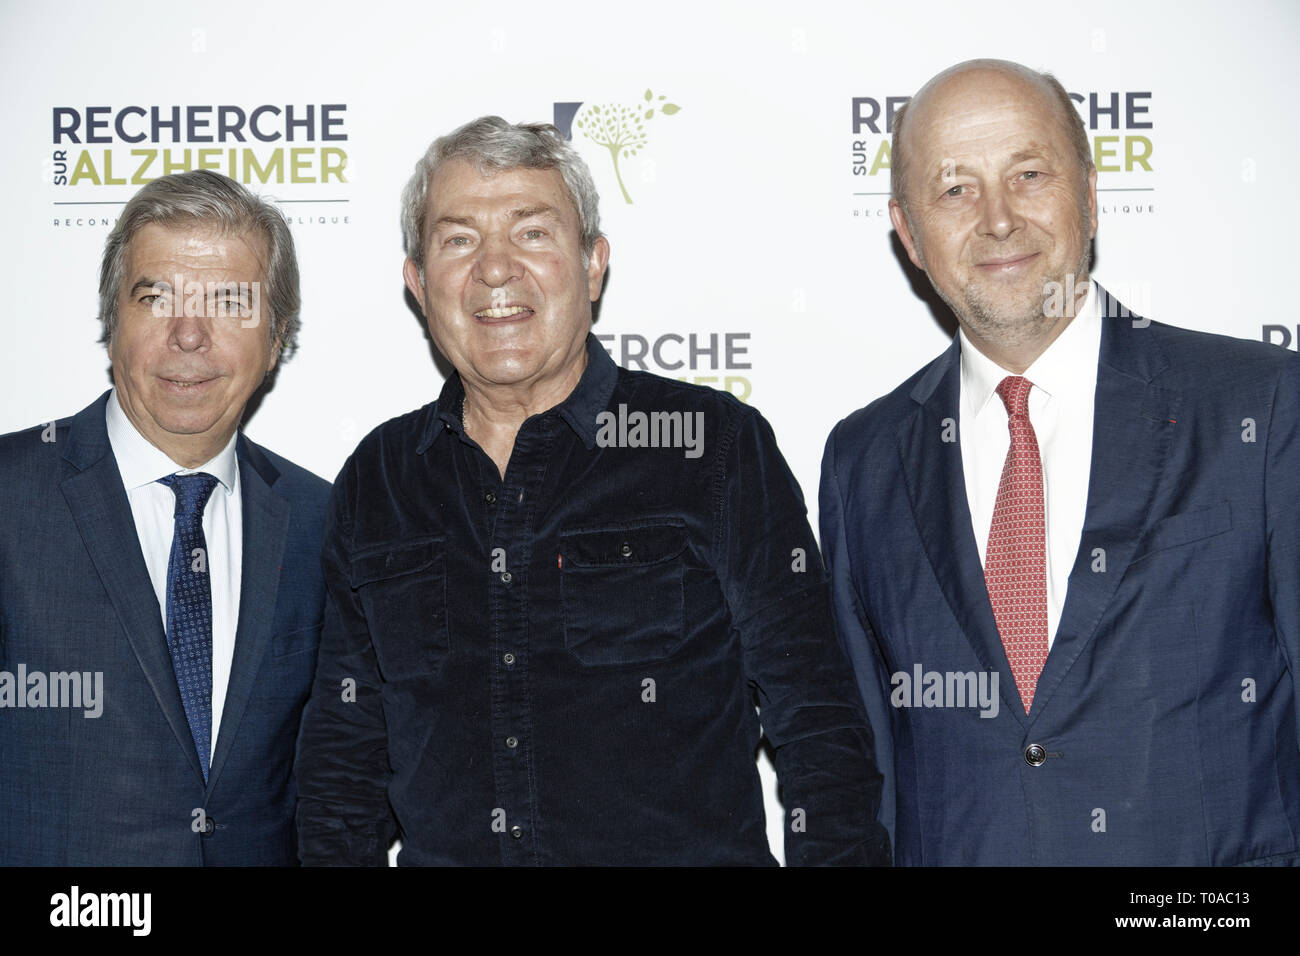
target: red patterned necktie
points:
(1015, 563)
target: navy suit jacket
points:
(125, 788)
(1167, 708)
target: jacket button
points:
(512, 742)
(626, 550)
(490, 498)
(209, 825)
(517, 831)
(1035, 755)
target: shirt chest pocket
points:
(623, 595)
(402, 588)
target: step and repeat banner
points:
(741, 150)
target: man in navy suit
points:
(160, 586)
(1066, 553)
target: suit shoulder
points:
(1230, 355)
(1211, 368)
(881, 417)
(34, 447)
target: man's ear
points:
(596, 265)
(411, 273)
(1092, 200)
(899, 219)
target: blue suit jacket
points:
(1168, 704)
(123, 788)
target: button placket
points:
(511, 531)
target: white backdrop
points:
(757, 208)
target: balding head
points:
(945, 92)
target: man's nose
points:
(999, 217)
(497, 263)
(191, 333)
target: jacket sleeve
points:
(1282, 516)
(856, 637)
(776, 587)
(344, 817)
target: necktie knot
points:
(1014, 391)
(192, 491)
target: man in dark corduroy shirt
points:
(557, 593)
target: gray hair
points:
(205, 197)
(1071, 122)
(493, 145)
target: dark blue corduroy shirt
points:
(563, 667)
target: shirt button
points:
(508, 658)
(626, 550)
(490, 498)
(512, 742)
(506, 577)
(1035, 755)
(517, 831)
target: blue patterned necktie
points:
(189, 607)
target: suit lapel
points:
(266, 525)
(936, 486)
(1133, 426)
(99, 506)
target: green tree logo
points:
(621, 129)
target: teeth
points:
(501, 313)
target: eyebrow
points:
(1034, 152)
(453, 221)
(150, 284)
(530, 212)
(1019, 156)
(527, 212)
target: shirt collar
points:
(1056, 372)
(579, 410)
(141, 463)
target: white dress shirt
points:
(1061, 411)
(153, 507)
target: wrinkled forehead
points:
(461, 186)
(200, 245)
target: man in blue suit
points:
(1066, 553)
(160, 585)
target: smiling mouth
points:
(504, 312)
(186, 382)
(1011, 262)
